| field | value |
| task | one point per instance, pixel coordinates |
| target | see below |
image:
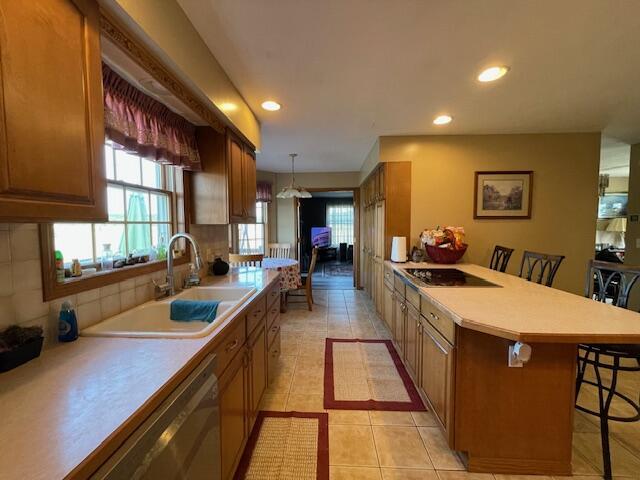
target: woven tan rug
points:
(367, 375)
(287, 446)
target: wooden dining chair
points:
(307, 282)
(546, 265)
(279, 250)
(500, 258)
(238, 260)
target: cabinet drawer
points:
(274, 330)
(398, 284)
(388, 275)
(273, 314)
(412, 296)
(256, 313)
(231, 344)
(273, 295)
(445, 326)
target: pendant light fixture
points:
(293, 190)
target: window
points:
(140, 195)
(251, 236)
(340, 219)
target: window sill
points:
(52, 289)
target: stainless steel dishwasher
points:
(181, 438)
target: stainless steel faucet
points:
(168, 289)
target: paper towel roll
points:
(399, 249)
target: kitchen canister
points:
(399, 249)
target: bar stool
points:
(547, 264)
(613, 358)
(500, 258)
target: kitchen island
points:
(455, 343)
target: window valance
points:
(144, 126)
(263, 193)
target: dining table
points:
(290, 278)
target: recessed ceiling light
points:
(228, 107)
(271, 106)
(442, 119)
(492, 74)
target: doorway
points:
(611, 226)
(329, 220)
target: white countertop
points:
(528, 312)
(62, 407)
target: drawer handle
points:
(275, 329)
(434, 316)
(257, 312)
(232, 346)
(275, 352)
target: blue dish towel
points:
(194, 310)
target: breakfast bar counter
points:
(455, 342)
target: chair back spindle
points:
(238, 260)
(279, 250)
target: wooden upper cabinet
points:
(225, 190)
(51, 112)
(250, 184)
(235, 158)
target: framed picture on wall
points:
(613, 205)
(503, 194)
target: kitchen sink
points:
(151, 319)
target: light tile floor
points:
(380, 445)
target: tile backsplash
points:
(21, 285)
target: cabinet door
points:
(249, 184)
(437, 373)
(378, 282)
(258, 371)
(274, 355)
(388, 307)
(235, 159)
(400, 318)
(411, 348)
(51, 112)
(232, 414)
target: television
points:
(320, 236)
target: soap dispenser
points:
(67, 323)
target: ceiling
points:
(346, 72)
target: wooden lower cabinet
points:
(400, 318)
(412, 324)
(257, 371)
(274, 354)
(437, 373)
(389, 298)
(243, 380)
(233, 418)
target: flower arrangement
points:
(449, 237)
(444, 245)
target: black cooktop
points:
(446, 277)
